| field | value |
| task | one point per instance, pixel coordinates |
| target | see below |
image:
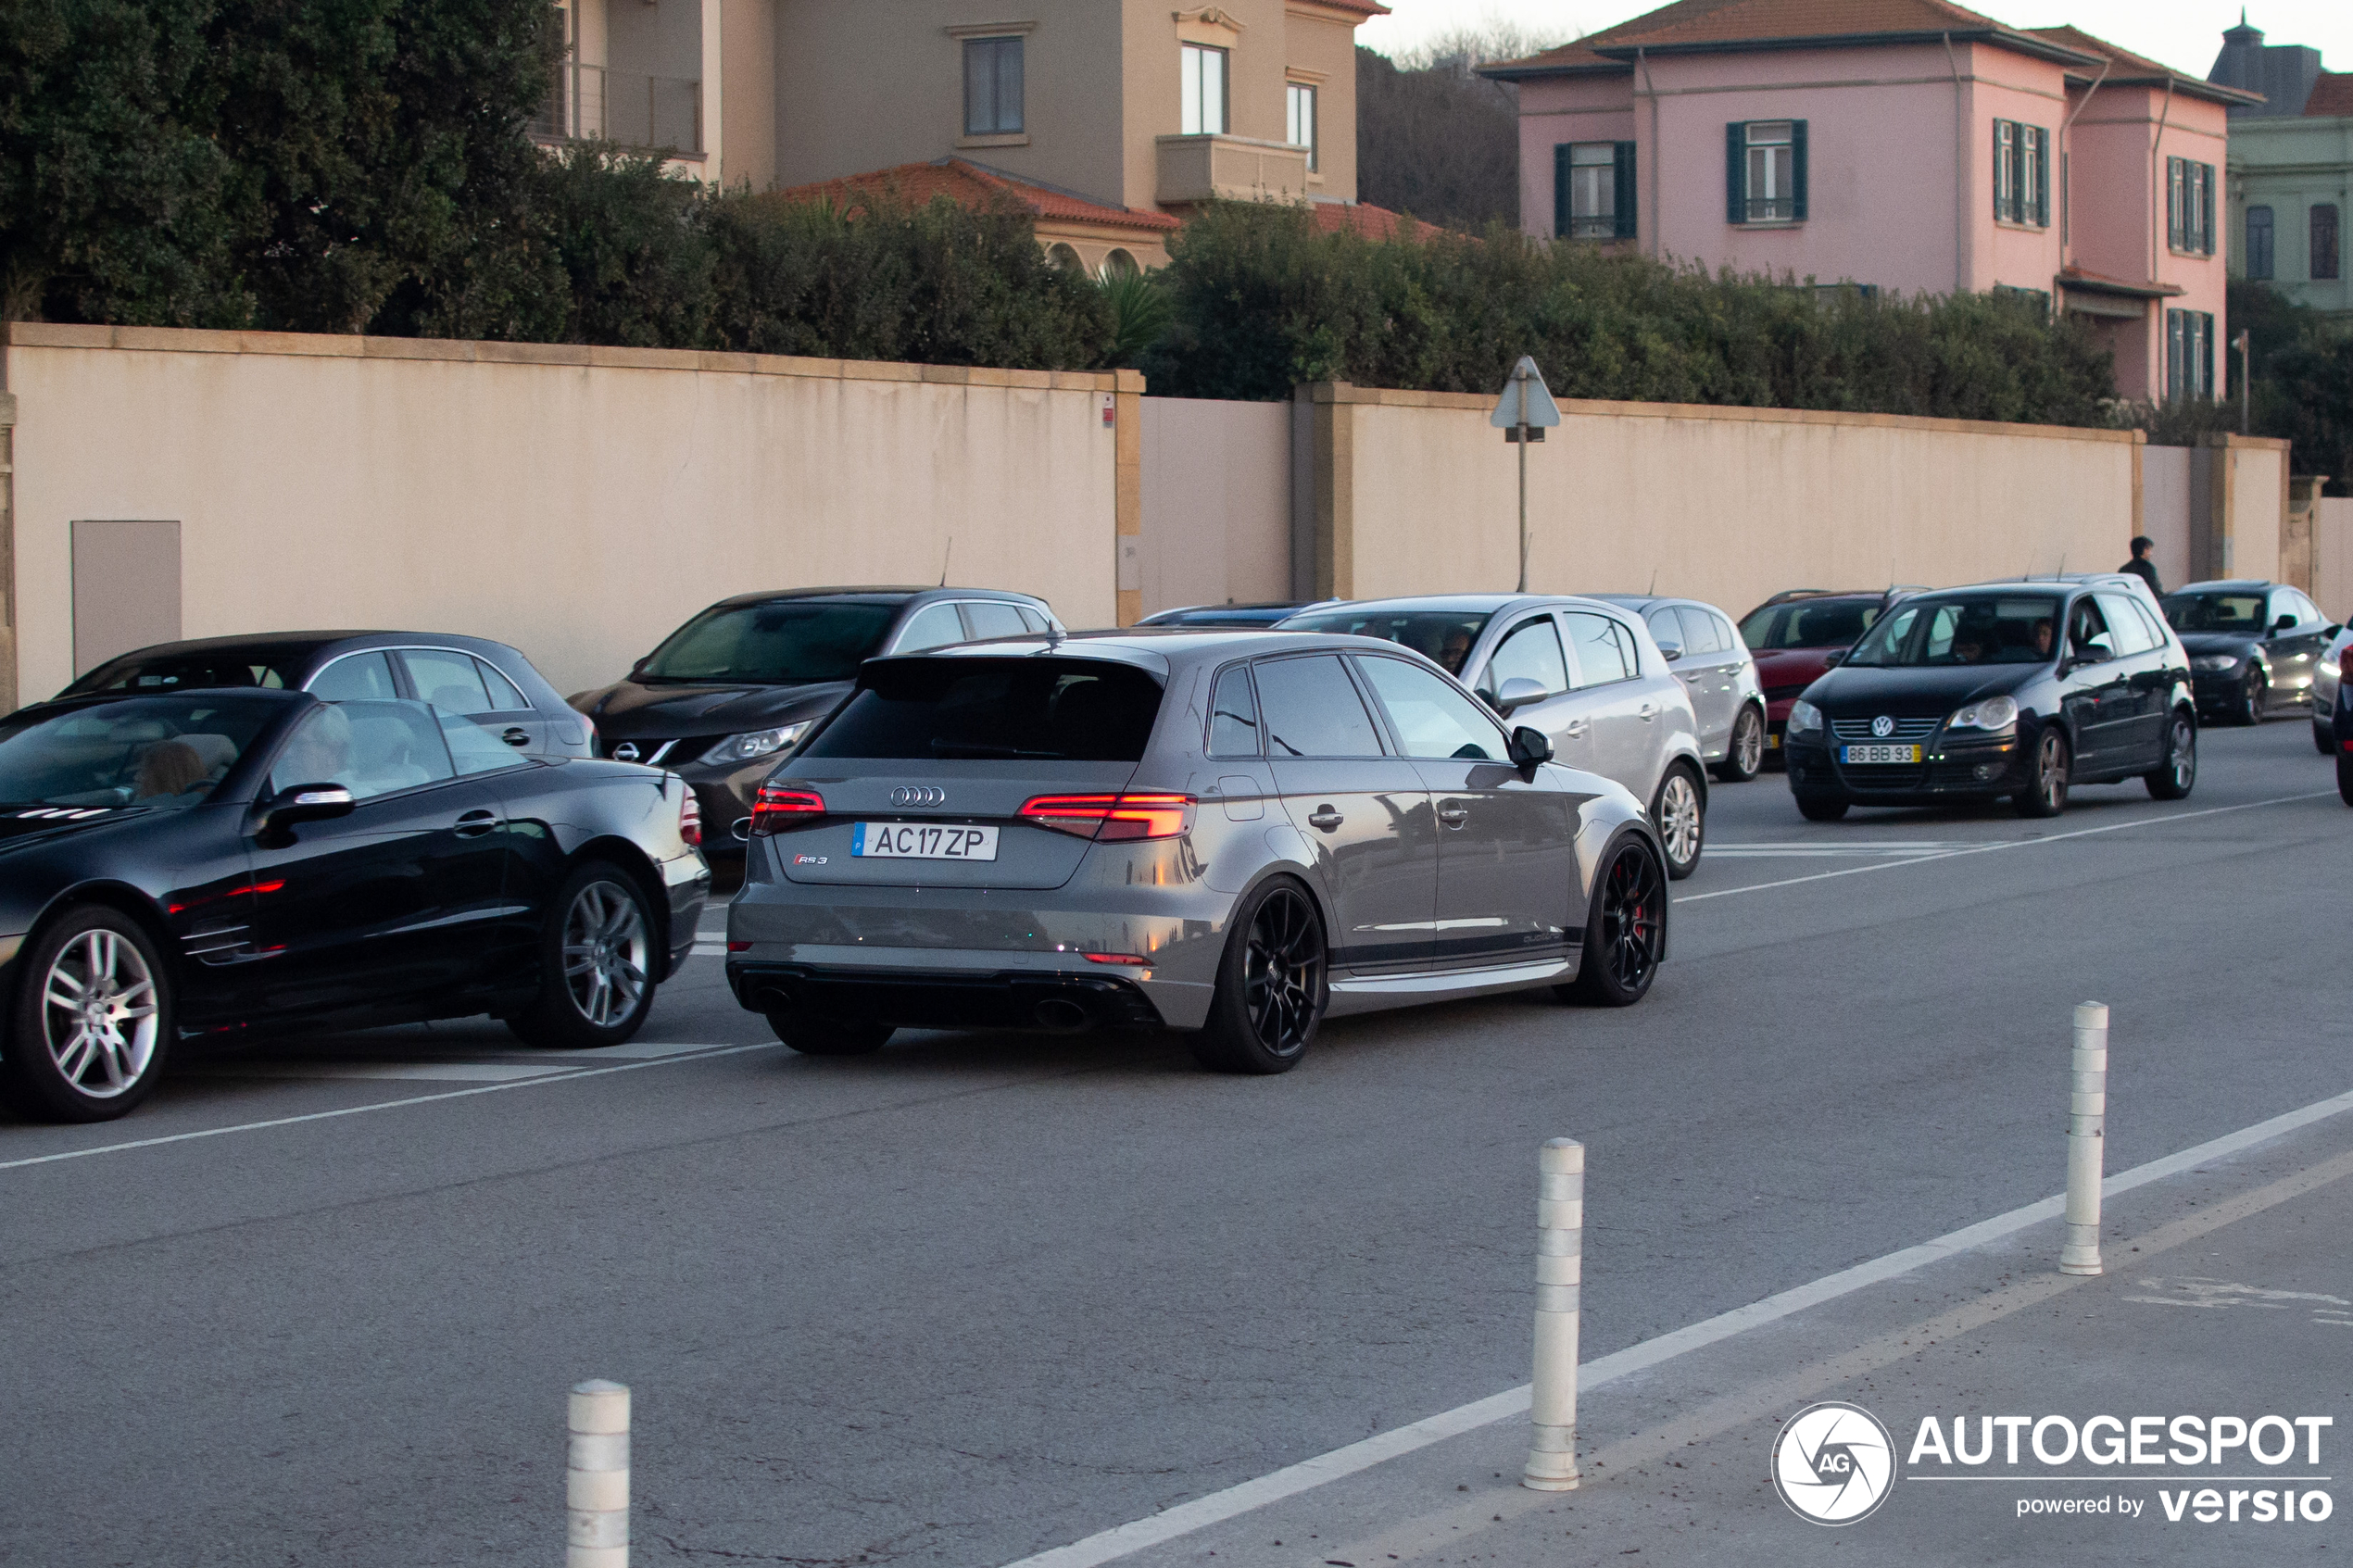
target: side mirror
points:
(2286, 623)
(1519, 692)
(304, 803)
(639, 667)
(2091, 653)
(1833, 658)
(1669, 649)
(1530, 746)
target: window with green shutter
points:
(1594, 190)
(1765, 171)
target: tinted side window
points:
(1233, 716)
(1602, 654)
(2149, 619)
(448, 679)
(1665, 628)
(371, 748)
(475, 749)
(1432, 718)
(1031, 619)
(989, 618)
(2307, 613)
(1725, 637)
(1699, 631)
(1530, 651)
(1312, 709)
(358, 675)
(934, 626)
(504, 696)
(2126, 628)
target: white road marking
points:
(365, 1110)
(2001, 844)
(425, 1072)
(1135, 1536)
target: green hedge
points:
(1264, 300)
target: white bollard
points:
(1560, 1246)
(2086, 1141)
(597, 1477)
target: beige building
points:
(1120, 104)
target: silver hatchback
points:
(1227, 832)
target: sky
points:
(2185, 34)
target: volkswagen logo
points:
(626, 752)
(1833, 1463)
(919, 795)
(1882, 726)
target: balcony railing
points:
(626, 108)
(1195, 168)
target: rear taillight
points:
(1111, 819)
(775, 808)
(690, 818)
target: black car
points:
(487, 682)
(2022, 689)
(223, 861)
(2252, 647)
(727, 694)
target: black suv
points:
(2022, 689)
(728, 693)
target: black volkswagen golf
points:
(221, 861)
(2022, 689)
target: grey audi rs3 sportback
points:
(1225, 833)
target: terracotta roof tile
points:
(2130, 67)
(1370, 222)
(973, 185)
(2332, 94)
(1697, 23)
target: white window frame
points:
(1205, 96)
(1771, 170)
(1592, 190)
(1299, 121)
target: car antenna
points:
(1652, 592)
(943, 560)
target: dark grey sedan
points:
(1225, 833)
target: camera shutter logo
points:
(1882, 726)
(1833, 1463)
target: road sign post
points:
(1524, 412)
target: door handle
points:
(515, 735)
(1454, 816)
(1650, 711)
(1573, 729)
(474, 823)
(1326, 817)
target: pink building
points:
(1907, 145)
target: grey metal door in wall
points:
(125, 588)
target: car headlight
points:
(2214, 661)
(1992, 713)
(1804, 717)
(759, 743)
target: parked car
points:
(1717, 675)
(1227, 832)
(219, 861)
(488, 682)
(1583, 670)
(1228, 615)
(2255, 646)
(2328, 673)
(1794, 637)
(734, 689)
(2023, 689)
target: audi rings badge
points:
(919, 795)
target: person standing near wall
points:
(2141, 566)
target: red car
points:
(1797, 635)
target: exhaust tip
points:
(1059, 1012)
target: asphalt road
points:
(976, 1297)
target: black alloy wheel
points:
(1625, 930)
(2045, 795)
(1744, 759)
(2173, 777)
(1270, 984)
(2252, 695)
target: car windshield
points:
(274, 668)
(790, 640)
(139, 751)
(1809, 623)
(2215, 612)
(1972, 629)
(1443, 635)
(1064, 709)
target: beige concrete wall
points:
(2165, 512)
(1216, 502)
(1725, 504)
(577, 503)
(2332, 557)
(2253, 471)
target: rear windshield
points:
(271, 668)
(791, 640)
(2215, 612)
(1444, 636)
(1816, 623)
(1060, 710)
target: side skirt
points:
(1369, 995)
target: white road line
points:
(2003, 844)
(393, 1072)
(365, 1110)
(1186, 1517)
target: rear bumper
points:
(944, 998)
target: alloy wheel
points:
(2251, 699)
(98, 1012)
(1632, 894)
(1678, 819)
(606, 954)
(1748, 743)
(1283, 973)
(2181, 754)
(2050, 776)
